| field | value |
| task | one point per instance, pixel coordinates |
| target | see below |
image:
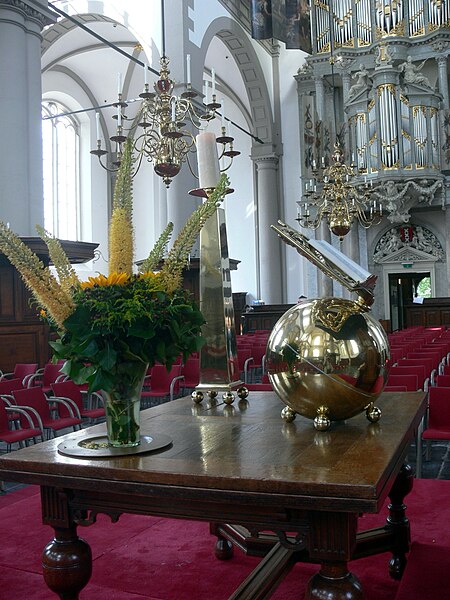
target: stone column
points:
(443, 79)
(270, 282)
(345, 86)
(180, 204)
(21, 171)
(320, 97)
(324, 283)
(352, 250)
(447, 245)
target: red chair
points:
(443, 381)
(409, 381)
(24, 429)
(425, 362)
(43, 412)
(51, 373)
(395, 388)
(438, 422)
(70, 391)
(255, 366)
(419, 370)
(244, 356)
(191, 374)
(21, 371)
(434, 356)
(165, 385)
(7, 386)
(259, 387)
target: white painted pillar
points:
(443, 79)
(270, 280)
(324, 283)
(20, 114)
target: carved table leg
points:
(398, 521)
(224, 548)
(331, 542)
(67, 559)
(67, 564)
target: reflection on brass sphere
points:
(212, 394)
(322, 440)
(243, 404)
(242, 392)
(197, 396)
(328, 350)
(229, 411)
(287, 414)
(373, 413)
(321, 421)
(212, 402)
(228, 397)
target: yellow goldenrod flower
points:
(43, 313)
(121, 242)
(66, 273)
(36, 276)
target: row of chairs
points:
(30, 414)
(429, 348)
(418, 356)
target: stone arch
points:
(240, 47)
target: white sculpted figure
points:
(411, 72)
(362, 81)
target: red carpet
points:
(164, 559)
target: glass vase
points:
(123, 405)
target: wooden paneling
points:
(434, 312)
(23, 336)
(23, 344)
(263, 317)
(7, 303)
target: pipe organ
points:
(358, 23)
(386, 80)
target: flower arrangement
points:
(110, 323)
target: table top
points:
(244, 451)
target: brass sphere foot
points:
(242, 392)
(212, 394)
(228, 397)
(197, 396)
(322, 422)
(373, 413)
(288, 415)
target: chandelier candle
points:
(208, 160)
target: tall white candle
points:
(173, 112)
(206, 92)
(119, 83)
(222, 107)
(208, 161)
(145, 73)
(119, 116)
(213, 81)
(97, 124)
(188, 68)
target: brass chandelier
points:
(332, 195)
(164, 125)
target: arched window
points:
(60, 139)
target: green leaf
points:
(107, 357)
(102, 380)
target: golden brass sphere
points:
(327, 361)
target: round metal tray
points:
(98, 447)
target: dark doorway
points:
(403, 288)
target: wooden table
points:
(239, 465)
